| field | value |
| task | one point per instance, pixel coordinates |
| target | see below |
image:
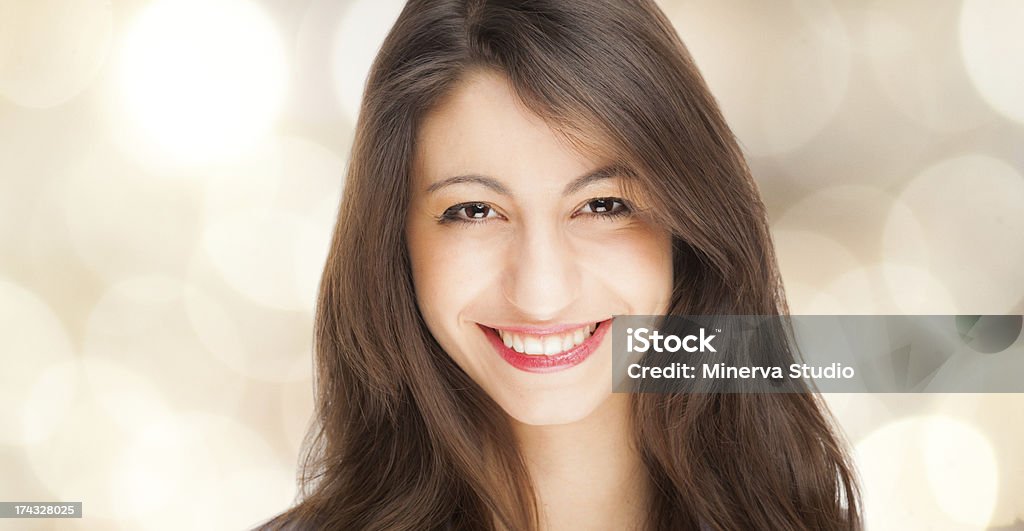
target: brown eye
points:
(468, 213)
(477, 210)
(605, 207)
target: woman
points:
(521, 172)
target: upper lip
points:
(543, 330)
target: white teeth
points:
(546, 345)
(533, 345)
(578, 336)
(552, 345)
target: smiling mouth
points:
(555, 349)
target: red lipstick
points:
(540, 363)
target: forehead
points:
(482, 127)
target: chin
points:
(553, 410)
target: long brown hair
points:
(402, 438)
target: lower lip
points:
(554, 362)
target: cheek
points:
(429, 275)
(449, 271)
(635, 264)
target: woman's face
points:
(522, 249)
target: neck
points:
(587, 474)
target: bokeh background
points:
(170, 171)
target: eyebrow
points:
(576, 185)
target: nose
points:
(541, 277)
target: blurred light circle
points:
(286, 173)
(856, 291)
(124, 221)
(883, 288)
(103, 404)
(203, 78)
(962, 470)
(887, 460)
(969, 216)
(852, 214)
(35, 348)
(916, 291)
(129, 398)
(75, 461)
(253, 283)
(809, 262)
(992, 45)
(1001, 417)
(45, 405)
(935, 92)
(51, 50)
(268, 230)
(250, 182)
(248, 495)
(313, 49)
(256, 342)
(957, 460)
(150, 471)
(811, 257)
(857, 414)
(313, 178)
(807, 238)
(141, 324)
(196, 460)
(779, 69)
(356, 42)
(258, 255)
(904, 239)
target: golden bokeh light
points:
(968, 209)
(992, 47)
(221, 470)
(810, 261)
(50, 50)
(897, 37)
(142, 324)
(254, 341)
(916, 291)
(1003, 414)
(35, 348)
(957, 460)
(129, 398)
(76, 461)
(849, 213)
(962, 470)
(356, 41)
(751, 52)
(195, 94)
(288, 201)
(102, 190)
(45, 405)
(256, 253)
